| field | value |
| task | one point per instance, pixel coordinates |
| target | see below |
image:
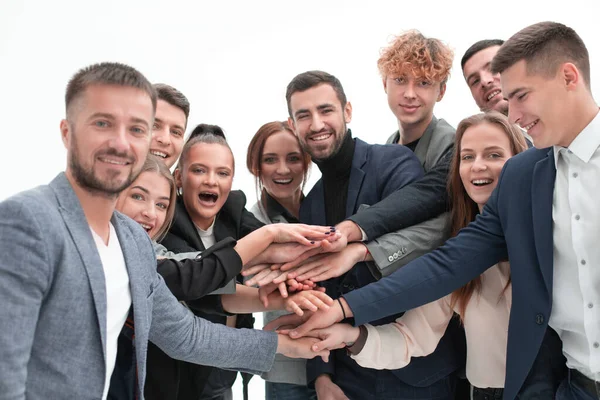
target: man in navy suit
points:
(542, 216)
(356, 173)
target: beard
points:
(316, 152)
(87, 178)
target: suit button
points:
(390, 258)
(539, 319)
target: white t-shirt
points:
(207, 236)
(118, 296)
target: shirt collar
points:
(585, 144)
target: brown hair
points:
(255, 152)
(310, 79)
(203, 133)
(174, 97)
(464, 209)
(156, 165)
(424, 57)
(107, 73)
(544, 47)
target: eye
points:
(424, 83)
(301, 116)
(101, 124)
(474, 82)
(177, 132)
(327, 111)
(466, 157)
(400, 80)
(294, 159)
(198, 170)
(137, 196)
(162, 206)
(155, 126)
(137, 130)
(495, 155)
(224, 173)
(269, 160)
(522, 97)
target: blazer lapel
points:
(423, 145)
(542, 192)
(81, 234)
(357, 175)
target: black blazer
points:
(172, 379)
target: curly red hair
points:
(411, 52)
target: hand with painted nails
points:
(300, 233)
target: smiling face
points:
(168, 132)
(282, 166)
(107, 137)
(319, 120)
(541, 105)
(146, 201)
(412, 99)
(206, 178)
(484, 148)
(485, 86)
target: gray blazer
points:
(396, 249)
(53, 304)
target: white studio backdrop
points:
(233, 60)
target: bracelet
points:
(342, 307)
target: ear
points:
(65, 129)
(384, 81)
(348, 112)
(570, 75)
(442, 91)
(177, 176)
(292, 125)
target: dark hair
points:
(256, 149)
(174, 97)
(544, 46)
(310, 79)
(107, 73)
(464, 209)
(203, 133)
(477, 47)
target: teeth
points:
(158, 153)
(111, 161)
(321, 137)
(495, 92)
(282, 181)
(146, 227)
(481, 181)
(531, 125)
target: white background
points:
(233, 60)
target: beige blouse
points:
(418, 332)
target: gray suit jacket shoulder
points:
(396, 249)
(53, 295)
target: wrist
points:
(346, 309)
(322, 379)
(350, 230)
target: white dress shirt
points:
(576, 285)
(118, 296)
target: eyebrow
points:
(486, 149)
(320, 107)
(206, 166)
(112, 118)
(175, 125)
(514, 93)
(165, 198)
(143, 189)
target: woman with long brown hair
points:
(484, 142)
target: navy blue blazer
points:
(377, 171)
(516, 223)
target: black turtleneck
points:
(336, 177)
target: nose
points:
(149, 211)
(514, 114)
(120, 140)
(316, 124)
(487, 78)
(210, 178)
(161, 136)
(409, 92)
(282, 168)
(479, 164)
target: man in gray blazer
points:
(73, 269)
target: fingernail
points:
(312, 242)
(329, 233)
(332, 228)
(293, 333)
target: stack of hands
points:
(289, 271)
